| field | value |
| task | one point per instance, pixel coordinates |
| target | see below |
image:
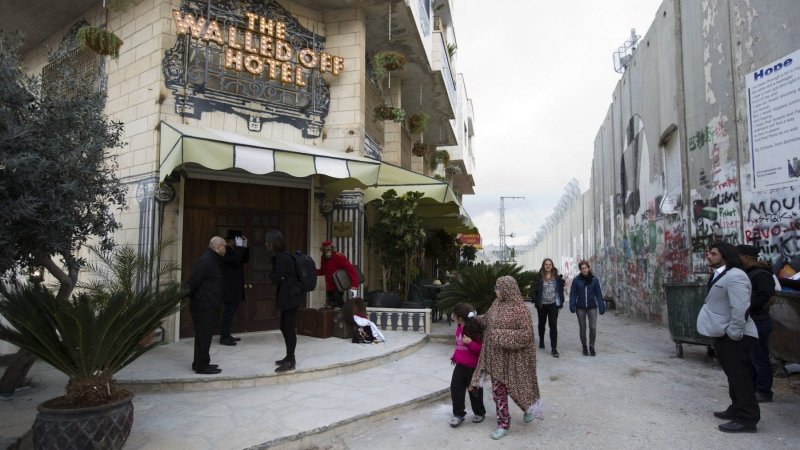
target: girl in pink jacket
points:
(469, 339)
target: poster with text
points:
(773, 112)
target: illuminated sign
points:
(260, 49)
(252, 59)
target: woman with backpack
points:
(288, 296)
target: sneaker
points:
(528, 417)
(591, 351)
(585, 351)
(478, 419)
(456, 421)
(541, 344)
(555, 353)
(499, 433)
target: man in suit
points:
(725, 317)
(236, 255)
(205, 294)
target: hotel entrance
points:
(214, 207)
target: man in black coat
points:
(763, 289)
(205, 294)
(236, 255)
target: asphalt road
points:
(634, 394)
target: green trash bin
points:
(684, 301)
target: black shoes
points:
(555, 353)
(281, 361)
(591, 351)
(725, 415)
(214, 366)
(585, 351)
(763, 397)
(285, 366)
(210, 370)
(229, 341)
(733, 427)
(541, 343)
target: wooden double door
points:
(214, 207)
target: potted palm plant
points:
(90, 337)
(475, 285)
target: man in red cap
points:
(331, 262)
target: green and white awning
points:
(221, 150)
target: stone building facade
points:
(254, 114)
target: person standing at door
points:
(724, 317)
(288, 295)
(205, 295)
(549, 298)
(236, 255)
(331, 262)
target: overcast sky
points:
(541, 76)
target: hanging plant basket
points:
(439, 157)
(387, 61)
(388, 113)
(100, 41)
(418, 122)
(419, 149)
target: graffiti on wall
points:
(772, 223)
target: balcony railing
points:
(447, 71)
(424, 10)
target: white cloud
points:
(541, 77)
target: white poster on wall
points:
(773, 112)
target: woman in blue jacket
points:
(585, 299)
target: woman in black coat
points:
(288, 295)
(549, 298)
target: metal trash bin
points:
(784, 341)
(684, 301)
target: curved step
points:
(251, 363)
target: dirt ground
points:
(636, 393)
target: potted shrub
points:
(394, 235)
(389, 113)
(475, 285)
(89, 338)
(99, 40)
(387, 61)
(418, 122)
(439, 157)
(419, 149)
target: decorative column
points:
(346, 224)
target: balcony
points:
(39, 19)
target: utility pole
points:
(504, 257)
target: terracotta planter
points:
(104, 426)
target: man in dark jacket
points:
(205, 294)
(763, 289)
(236, 255)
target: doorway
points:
(214, 207)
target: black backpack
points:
(306, 270)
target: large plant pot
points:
(101, 427)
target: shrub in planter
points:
(89, 338)
(419, 149)
(387, 61)
(418, 122)
(99, 40)
(439, 157)
(388, 113)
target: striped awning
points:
(220, 150)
